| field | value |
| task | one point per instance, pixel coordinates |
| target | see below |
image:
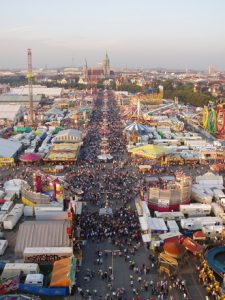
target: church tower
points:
(85, 72)
(106, 66)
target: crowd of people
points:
(113, 185)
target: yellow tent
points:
(148, 151)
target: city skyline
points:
(144, 34)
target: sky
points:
(181, 34)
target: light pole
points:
(112, 251)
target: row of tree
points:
(185, 93)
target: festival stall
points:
(148, 151)
(63, 273)
(30, 157)
(63, 153)
(6, 162)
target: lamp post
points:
(112, 264)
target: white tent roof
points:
(105, 157)
(68, 134)
(14, 185)
(157, 224)
(41, 234)
(54, 111)
(9, 148)
(9, 111)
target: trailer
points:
(46, 207)
(15, 269)
(3, 246)
(10, 196)
(219, 196)
(172, 225)
(169, 235)
(199, 222)
(195, 209)
(217, 209)
(7, 206)
(213, 230)
(51, 215)
(13, 216)
(170, 215)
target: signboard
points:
(163, 202)
(44, 258)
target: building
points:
(94, 75)
(19, 99)
(12, 112)
(38, 90)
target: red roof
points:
(199, 235)
(192, 246)
(175, 239)
(95, 72)
(174, 249)
(30, 157)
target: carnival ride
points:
(45, 189)
(214, 120)
(48, 184)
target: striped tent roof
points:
(139, 128)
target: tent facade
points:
(41, 234)
(68, 136)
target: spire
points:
(85, 71)
(106, 65)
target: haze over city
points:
(170, 34)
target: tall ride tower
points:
(30, 85)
